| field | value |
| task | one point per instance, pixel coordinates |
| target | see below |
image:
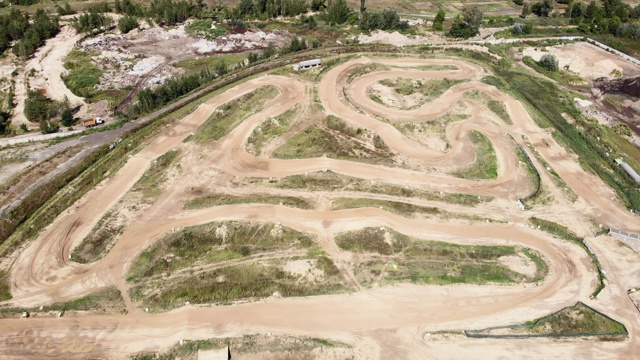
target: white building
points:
(307, 64)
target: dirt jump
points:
(380, 322)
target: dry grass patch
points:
(386, 256)
(222, 199)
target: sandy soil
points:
(587, 60)
(385, 322)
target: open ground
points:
(206, 154)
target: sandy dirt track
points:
(42, 274)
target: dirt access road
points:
(387, 322)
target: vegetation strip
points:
(330, 181)
(223, 199)
(108, 300)
(248, 345)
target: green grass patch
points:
(330, 181)
(270, 129)
(335, 139)
(83, 75)
(152, 181)
(436, 67)
(206, 29)
(212, 242)
(231, 114)
(578, 320)
(95, 245)
(486, 166)
(233, 283)
(389, 256)
(556, 229)
(223, 199)
(396, 207)
(541, 266)
(428, 89)
(195, 65)
(499, 109)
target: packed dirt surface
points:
(381, 323)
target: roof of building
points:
(310, 62)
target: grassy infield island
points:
(223, 262)
(387, 256)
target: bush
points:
(127, 23)
(521, 29)
(549, 62)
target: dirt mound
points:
(628, 86)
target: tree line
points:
(149, 100)
(27, 33)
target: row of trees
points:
(42, 27)
(385, 20)
(149, 100)
(93, 19)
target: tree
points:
(36, 106)
(338, 12)
(127, 23)
(5, 122)
(362, 7)
(221, 67)
(468, 23)
(317, 5)
(439, 20)
(548, 62)
(66, 118)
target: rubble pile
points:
(249, 40)
(142, 55)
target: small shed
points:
(307, 64)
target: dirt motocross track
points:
(386, 322)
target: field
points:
(309, 216)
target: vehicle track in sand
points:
(42, 274)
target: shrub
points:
(127, 23)
(549, 62)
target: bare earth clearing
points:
(383, 322)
